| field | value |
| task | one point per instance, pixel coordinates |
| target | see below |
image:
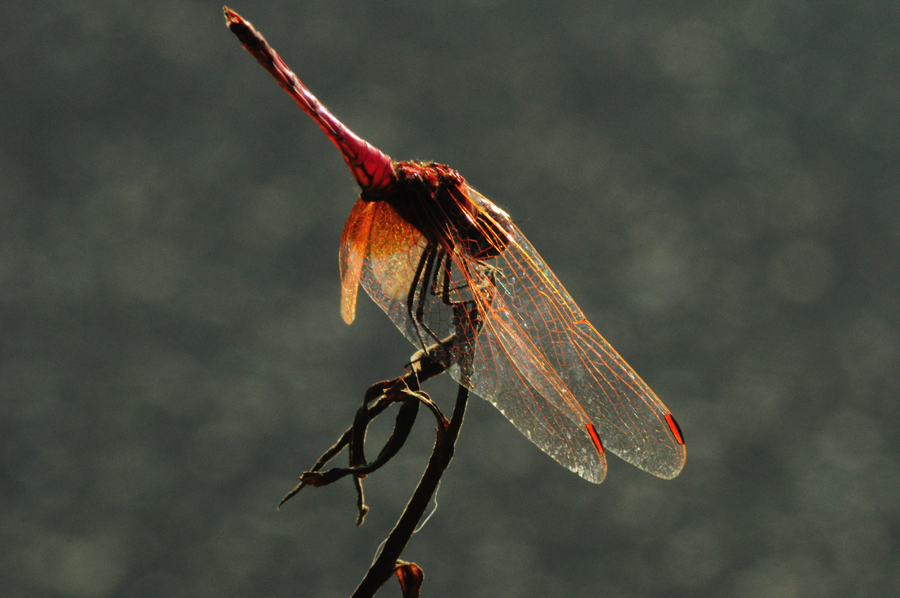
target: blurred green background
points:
(715, 183)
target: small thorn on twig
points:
(362, 509)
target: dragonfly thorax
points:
(438, 202)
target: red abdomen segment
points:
(371, 167)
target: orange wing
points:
(354, 244)
(376, 236)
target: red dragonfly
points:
(451, 269)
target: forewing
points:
(510, 373)
(630, 420)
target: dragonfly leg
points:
(465, 310)
(437, 280)
(418, 292)
(434, 278)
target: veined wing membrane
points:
(479, 360)
(630, 420)
(533, 356)
(379, 250)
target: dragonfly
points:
(453, 271)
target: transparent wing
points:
(530, 351)
(631, 421)
(493, 362)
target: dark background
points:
(716, 183)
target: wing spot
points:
(595, 438)
(676, 430)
